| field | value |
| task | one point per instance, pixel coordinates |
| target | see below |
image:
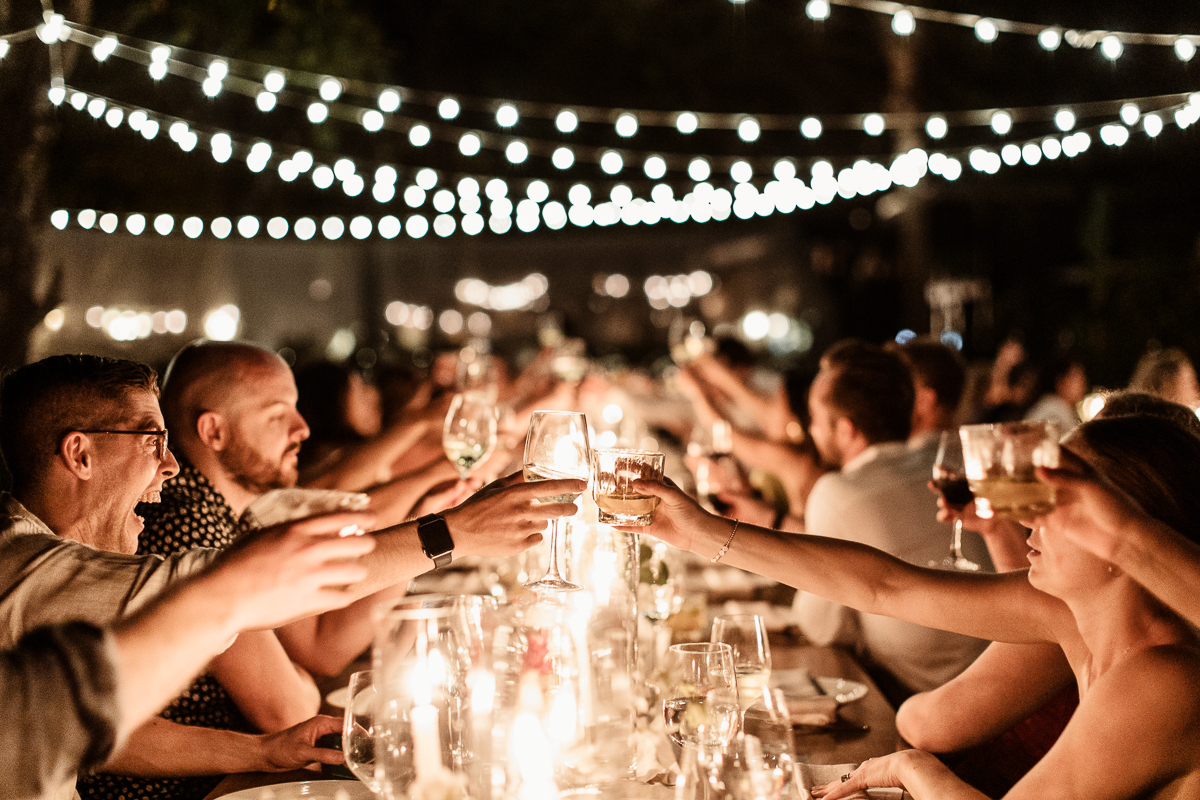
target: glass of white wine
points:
(556, 447)
(746, 634)
(469, 433)
(700, 706)
(616, 470)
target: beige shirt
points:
(880, 498)
(46, 579)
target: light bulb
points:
(810, 128)
(986, 30)
(1112, 47)
(274, 81)
(1001, 122)
(330, 89)
(566, 121)
(936, 127)
(686, 122)
(1064, 119)
(873, 124)
(507, 116)
(1050, 38)
(817, 10)
(748, 129)
(448, 108)
(903, 22)
(627, 125)
(389, 100)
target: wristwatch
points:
(435, 540)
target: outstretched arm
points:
(997, 607)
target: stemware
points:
(768, 720)
(556, 446)
(358, 729)
(700, 706)
(470, 431)
(746, 634)
(950, 478)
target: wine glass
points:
(556, 446)
(700, 706)
(768, 720)
(950, 478)
(746, 634)
(469, 433)
(358, 734)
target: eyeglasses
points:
(160, 439)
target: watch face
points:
(435, 537)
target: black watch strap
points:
(435, 538)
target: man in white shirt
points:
(861, 405)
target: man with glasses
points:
(72, 484)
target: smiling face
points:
(266, 429)
(127, 470)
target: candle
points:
(427, 743)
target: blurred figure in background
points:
(1064, 385)
(341, 410)
(1167, 373)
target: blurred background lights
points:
(655, 167)
(1090, 406)
(469, 144)
(427, 178)
(277, 227)
(448, 108)
(986, 30)
(416, 226)
(274, 81)
(1112, 47)
(1064, 119)
(495, 189)
(817, 10)
(192, 227)
(873, 124)
(218, 70)
(221, 324)
(317, 113)
(621, 194)
(372, 120)
(952, 339)
(414, 196)
(389, 227)
(86, 218)
(627, 125)
(784, 169)
(905, 336)
(566, 121)
(389, 100)
(221, 227)
(810, 128)
(135, 224)
(699, 169)
(330, 89)
(101, 50)
(756, 325)
(419, 136)
(741, 171)
(936, 127)
(341, 345)
(507, 116)
(1050, 38)
(443, 200)
(248, 227)
(686, 122)
(60, 218)
(562, 158)
(303, 160)
(516, 152)
(343, 168)
(1130, 113)
(305, 228)
(54, 319)
(611, 162)
(748, 129)
(1001, 122)
(616, 285)
(333, 228)
(1185, 49)
(537, 191)
(360, 227)
(903, 22)
(451, 322)
(322, 177)
(163, 224)
(1152, 124)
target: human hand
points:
(295, 747)
(889, 770)
(677, 518)
(292, 570)
(747, 507)
(970, 519)
(446, 496)
(504, 518)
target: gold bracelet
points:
(725, 547)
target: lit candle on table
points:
(427, 743)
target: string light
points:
(626, 125)
(687, 122)
(448, 108)
(389, 100)
(330, 89)
(566, 121)
(1002, 122)
(817, 10)
(507, 116)
(748, 129)
(1112, 47)
(873, 124)
(986, 30)
(274, 81)
(1050, 39)
(1185, 48)
(903, 22)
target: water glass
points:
(615, 472)
(700, 708)
(746, 634)
(358, 729)
(1000, 461)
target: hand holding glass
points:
(1000, 462)
(950, 478)
(616, 471)
(469, 434)
(556, 447)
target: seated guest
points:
(342, 410)
(1167, 373)
(1136, 662)
(84, 440)
(72, 692)
(1064, 385)
(860, 407)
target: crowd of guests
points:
(144, 555)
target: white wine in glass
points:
(469, 433)
(700, 706)
(556, 447)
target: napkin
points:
(654, 758)
(283, 505)
(820, 774)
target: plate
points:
(337, 698)
(308, 790)
(797, 683)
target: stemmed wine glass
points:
(469, 433)
(747, 635)
(700, 702)
(556, 447)
(358, 738)
(950, 478)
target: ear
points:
(925, 403)
(212, 431)
(844, 433)
(75, 454)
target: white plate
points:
(796, 683)
(308, 790)
(338, 697)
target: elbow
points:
(921, 725)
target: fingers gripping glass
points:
(160, 439)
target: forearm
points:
(327, 644)
(1163, 561)
(264, 683)
(394, 501)
(926, 778)
(161, 748)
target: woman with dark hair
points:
(1135, 661)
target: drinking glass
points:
(469, 433)
(358, 729)
(769, 720)
(746, 634)
(1000, 461)
(570, 360)
(556, 446)
(738, 771)
(950, 478)
(616, 470)
(700, 707)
